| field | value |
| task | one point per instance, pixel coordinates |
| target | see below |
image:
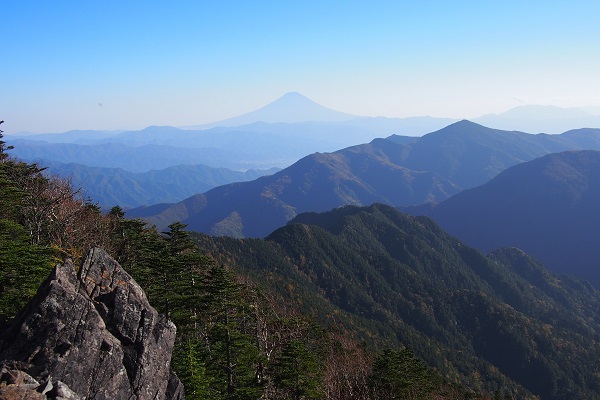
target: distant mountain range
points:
(275, 135)
(259, 145)
(357, 175)
(543, 119)
(114, 186)
(398, 170)
(500, 321)
(104, 162)
(131, 158)
(548, 207)
(470, 154)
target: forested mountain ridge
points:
(396, 278)
(114, 186)
(358, 175)
(398, 171)
(234, 339)
(548, 207)
(469, 154)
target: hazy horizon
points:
(112, 66)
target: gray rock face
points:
(95, 332)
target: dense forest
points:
(496, 322)
(237, 339)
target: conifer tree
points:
(234, 359)
(23, 266)
(3, 147)
(189, 362)
(297, 372)
(398, 374)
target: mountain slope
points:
(115, 186)
(470, 154)
(392, 278)
(397, 171)
(548, 207)
(359, 175)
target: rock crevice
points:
(95, 332)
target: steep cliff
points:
(94, 331)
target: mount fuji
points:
(292, 107)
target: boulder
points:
(96, 333)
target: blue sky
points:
(126, 65)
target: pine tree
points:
(3, 147)
(398, 374)
(234, 358)
(297, 372)
(23, 267)
(189, 362)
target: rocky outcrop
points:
(94, 332)
(16, 384)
